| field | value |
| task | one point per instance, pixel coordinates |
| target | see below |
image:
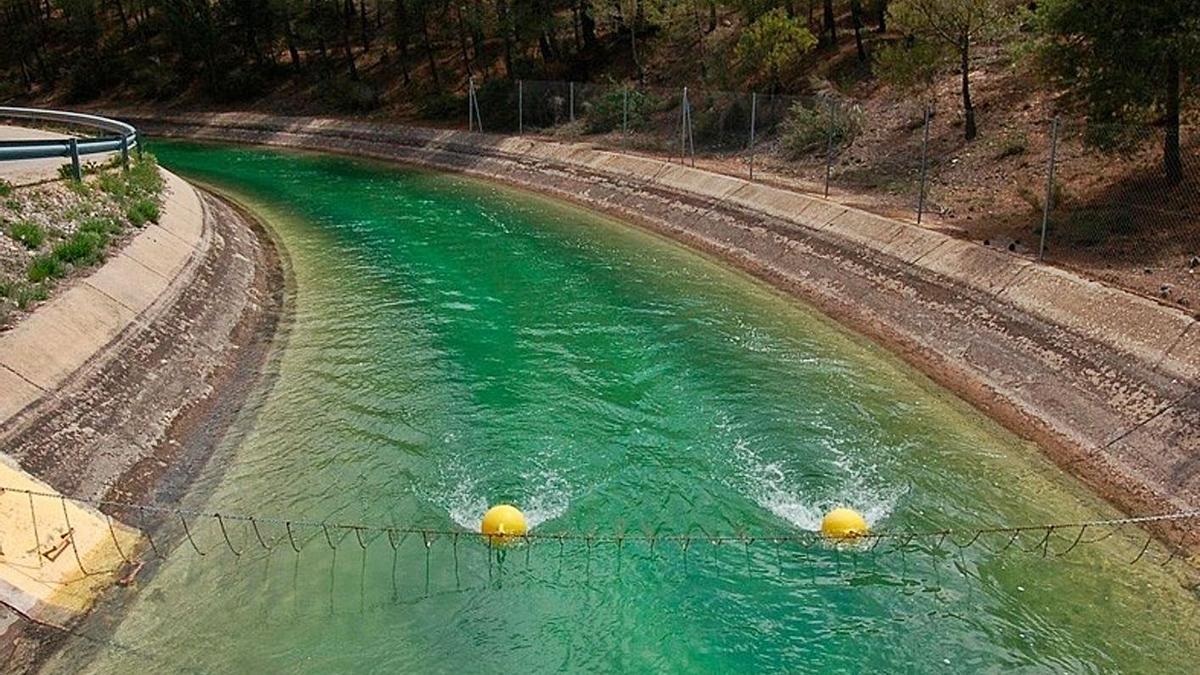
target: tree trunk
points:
(364, 24)
(856, 15)
(506, 35)
(830, 24)
(881, 14)
(124, 19)
(462, 40)
(1172, 159)
(427, 43)
(402, 34)
(587, 23)
(349, 54)
(633, 29)
(290, 35)
(969, 129)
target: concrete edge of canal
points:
(119, 389)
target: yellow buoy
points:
(501, 523)
(844, 523)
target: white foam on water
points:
(768, 484)
(466, 504)
(549, 502)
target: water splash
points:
(466, 502)
(771, 486)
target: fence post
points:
(470, 104)
(625, 112)
(753, 114)
(140, 138)
(478, 117)
(124, 152)
(572, 87)
(829, 149)
(1049, 187)
(520, 107)
(924, 165)
(691, 137)
(683, 125)
(76, 169)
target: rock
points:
(1148, 271)
(1194, 262)
(1164, 290)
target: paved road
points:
(27, 171)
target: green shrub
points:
(22, 294)
(1012, 144)
(28, 233)
(443, 107)
(66, 172)
(910, 66)
(351, 95)
(113, 183)
(13, 204)
(100, 225)
(27, 294)
(143, 178)
(497, 101)
(808, 129)
(82, 249)
(720, 121)
(45, 267)
(6, 188)
(606, 112)
(142, 211)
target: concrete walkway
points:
(40, 537)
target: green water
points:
(455, 344)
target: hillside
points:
(1118, 211)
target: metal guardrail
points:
(125, 138)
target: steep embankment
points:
(120, 386)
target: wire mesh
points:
(1123, 206)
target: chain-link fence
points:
(1120, 203)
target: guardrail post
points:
(1049, 187)
(753, 115)
(124, 152)
(76, 168)
(924, 156)
(140, 139)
